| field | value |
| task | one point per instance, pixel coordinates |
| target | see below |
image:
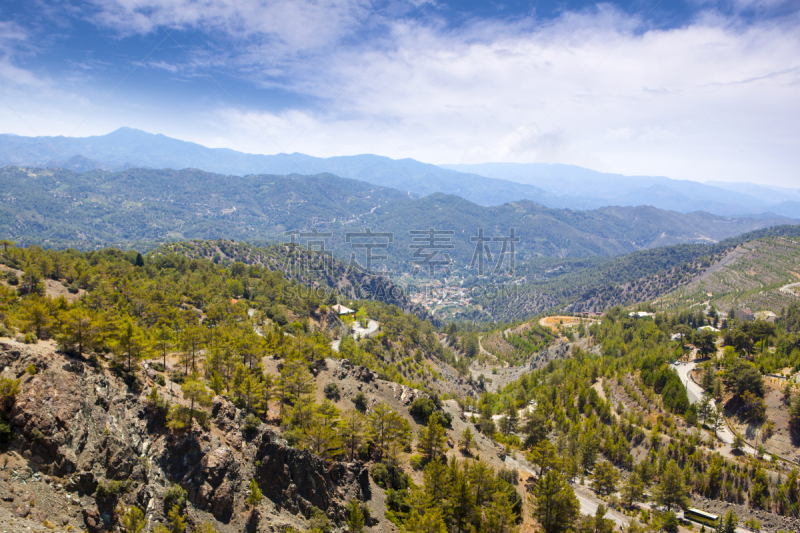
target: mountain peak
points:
(125, 131)
(550, 185)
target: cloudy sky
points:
(690, 89)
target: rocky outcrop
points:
(347, 369)
(212, 483)
(81, 424)
(298, 480)
(554, 352)
(226, 416)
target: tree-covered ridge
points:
(623, 419)
(135, 307)
(60, 208)
(83, 210)
(317, 270)
(752, 275)
(593, 285)
(207, 328)
(621, 414)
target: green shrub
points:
(487, 427)
(112, 489)
(254, 499)
(752, 523)
(175, 496)
(6, 435)
(366, 512)
(9, 388)
(160, 380)
(380, 474)
(397, 501)
(179, 416)
(331, 390)
(416, 462)
(319, 520)
(251, 424)
(31, 369)
(509, 475)
(444, 419)
(156, 402)
(158, 367)
(295, 328)
(30, 338)
(12, 279)
(133, 381)
(670, 523)
(360, 401)
(37, 435)
(422, 409)
(389, 477)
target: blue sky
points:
(702, 90)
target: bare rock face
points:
(365, 374)
(211, 484)
(92, 519)
(83, 482)
(222, 502)
(297, 480)
(45, 413)
(347, 369)
(408, 395)
(80, 423)
(331, 322)
(226, 416)
(216, 465)
(23, 510)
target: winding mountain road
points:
(588, 501)
(695, 393)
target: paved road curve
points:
(588, 501)
(695, 393)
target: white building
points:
(342, 310)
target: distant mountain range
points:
(488, 184)
(140, 207)
(581, 188)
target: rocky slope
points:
(86, 446)
(78, 428)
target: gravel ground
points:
(770, 522)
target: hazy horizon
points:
(701, 91)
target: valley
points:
(212, 355)
(325, 266)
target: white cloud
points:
(581, 90)
(710, 100)
(287, 25)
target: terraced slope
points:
(751, 275)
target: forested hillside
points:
(760, 274)
(209, 340)
(142, 207)
(621, 418)
(169, 333)
(593, 285)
